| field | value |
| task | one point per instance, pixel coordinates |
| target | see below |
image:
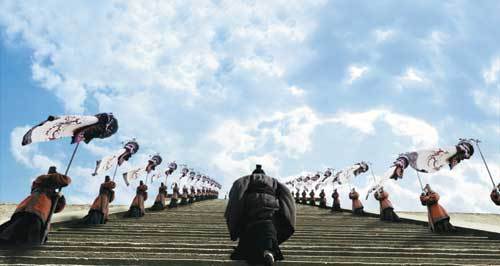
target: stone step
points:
(197, 235)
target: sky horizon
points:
(223, 85)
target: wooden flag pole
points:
(114, 173)
(484, 161)
(419, 180)
(56, 198)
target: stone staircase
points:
(197, 235)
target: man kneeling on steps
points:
(261, 214)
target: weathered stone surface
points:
(197, 235)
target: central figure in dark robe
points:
(261, 214)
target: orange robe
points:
(106, 196)
(495, 197)
(356, 203)
(162, 195)
(29, 221)
(384, 201)
(435, 212)
(42, 190)
(139, 199)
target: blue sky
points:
(221, 85)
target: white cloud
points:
(296, 91)
(355, 73)
(29, 155)
(412, 75)
(488, 103)
(487, 98)
(422, 134)
(362, 121)
(271, 139)
(383, 35)
(490, 75)
(169, 47)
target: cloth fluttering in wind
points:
(172, 166)
(425, 161)
(133, 174)
(78, 127)
(431, 161)
(153, 163)
(344, 176)
(184, 173)
(119, 157)
(378, 181)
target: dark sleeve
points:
(284, 219)
(423, 199)
(111, 196)
(235, 208)
(61, 203)
(58, 180)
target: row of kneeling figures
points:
(30, 223)
(438, 218)
(98, 213)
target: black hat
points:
(258, 170)
(107, 178)
(52, 170)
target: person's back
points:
(27, 225)
(261, 214)
(495, 195)
(98, 213)
(386, 209)
(137, 207)
(159, 203)
(439, 220)
(357, 206)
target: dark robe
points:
(297, 197)
(386, 209)
(312, 199)
(357, 206)
(98, 213)
(137, 207)
(439, 220)
(336, 202)
(175, 195)
(261, 214)
(27, 224)
(322, 200)
(159, 203)
(184, 197)
(495, 197)
(198, 195)
(192, 196)
(304, 197)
